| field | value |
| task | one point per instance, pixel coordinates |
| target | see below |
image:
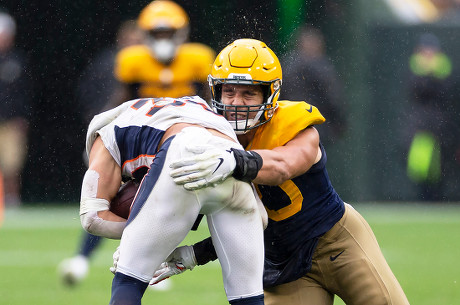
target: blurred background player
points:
(432, 125)
(164, 64)
(310, 75)
(15, 94)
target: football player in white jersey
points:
(153, 133)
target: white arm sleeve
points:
(101, 120)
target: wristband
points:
(204, 251)
(248, 164)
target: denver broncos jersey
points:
(301, 209)
(132, 131)
(136, 66)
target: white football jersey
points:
(132, 131)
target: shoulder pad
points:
(289, 119)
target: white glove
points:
(209, 166)
(166, 271)
(181, 259)
(116, 257)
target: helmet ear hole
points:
(266, 92)
(218, 92)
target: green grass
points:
(420, 242)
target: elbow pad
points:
(248, 164)
(94, 224)
(97, 226)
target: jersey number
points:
(159, 103)
(294, 194)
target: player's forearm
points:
(95, 216)
(290, 160)
(94, 224)
(275, 170)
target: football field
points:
(420, 241)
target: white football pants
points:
(163, 213)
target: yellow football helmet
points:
(247, 62)
(167, 26)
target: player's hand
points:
(165, 271)
(116, 257)
(209, 166)
(181, 259)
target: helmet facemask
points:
(163, 42)
(246, 62)
(244, 114)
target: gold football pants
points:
(347, 262)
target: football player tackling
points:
(151, 134)
(316, 246)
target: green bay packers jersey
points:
(301, 209)
(136, 66)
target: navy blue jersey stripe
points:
(150, 180)
(134, 141)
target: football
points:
(121, 204)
